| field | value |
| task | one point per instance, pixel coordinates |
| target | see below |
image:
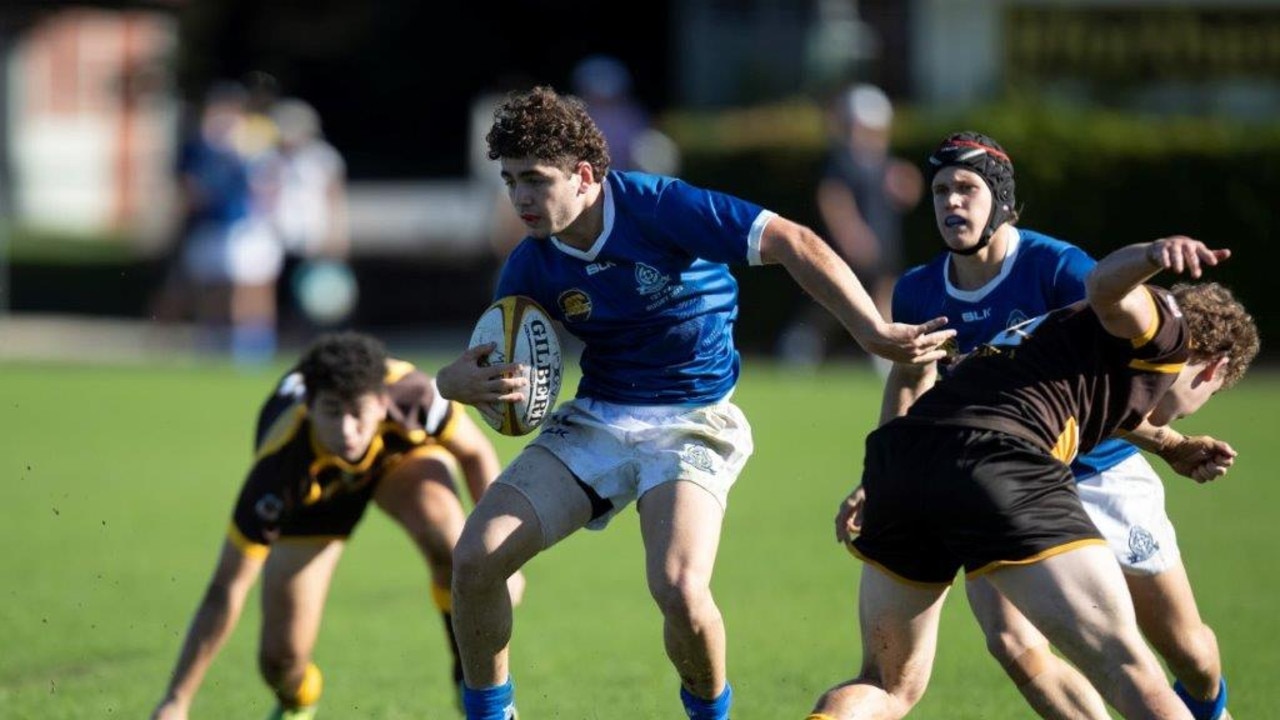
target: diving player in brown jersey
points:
(345, 426)
(976, 475)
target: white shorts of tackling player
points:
(623, 451)
(1126, 502)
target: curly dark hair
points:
(544, 125)
(348, 364)
(1220, 327)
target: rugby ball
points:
(524, 334)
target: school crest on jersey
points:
(649, 280)
(1017, 317)
(575, 304)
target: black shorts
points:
(944, 497)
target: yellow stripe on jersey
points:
(1150, 332)
(282, 430)
(1068, 442)
(397, 369)
(250, 548)
(445, 433)
(326, 459)
(1170, 368)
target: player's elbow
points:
(787, 242)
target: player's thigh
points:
(899, 624)
(680, 523)
(534, 503)
(1166, 608)
(421, 496)
(295, 585)
(1008, 632)
(1079, 600)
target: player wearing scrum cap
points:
(995, 275)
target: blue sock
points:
(698, 709)
(491, 703)
(1204, 709)
(253, 343)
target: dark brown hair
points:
(547, 126)
(348, 364)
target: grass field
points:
(118, 483)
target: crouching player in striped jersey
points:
(345, 426)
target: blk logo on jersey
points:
(594, 268)
(575, 304)
(975, 315)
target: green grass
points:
(118, 483)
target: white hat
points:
(867, 105)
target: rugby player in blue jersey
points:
(636, 267)
(993, 276)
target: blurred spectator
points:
(862, 195)
(604, 84)
(228, 259)
(258, 133)
(305, 181)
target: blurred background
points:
(226, 177)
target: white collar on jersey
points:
(590, 254)
(1006, 267)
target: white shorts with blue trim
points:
(1126, 502)
(623, 451)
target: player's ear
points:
(1220, 366)
(586, 175)
(1215, 368)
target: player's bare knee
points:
(1194, 658)
(475, 568)
(686, 596)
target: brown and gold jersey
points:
(296, 487)
(1061, 380)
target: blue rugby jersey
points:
(1039, 274)
(653, 300)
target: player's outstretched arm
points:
(1113, 287)
(214, 620)
(822, 274)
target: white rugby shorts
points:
(1126, 502)
(623, 451)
